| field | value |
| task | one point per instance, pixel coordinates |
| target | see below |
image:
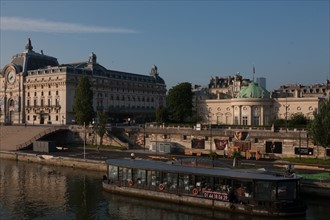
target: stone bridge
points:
(19, 137)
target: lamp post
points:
(144, 136)
(94, 133)
(84, 140)
(286, 114)
(210, 127)
(299, 146)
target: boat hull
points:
(252, 209)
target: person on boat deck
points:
(240, 191)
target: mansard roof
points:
(31, 60)
(92, 67)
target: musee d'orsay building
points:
(36, 89)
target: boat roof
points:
(173, 168)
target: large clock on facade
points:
(11, 76)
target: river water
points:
(35, 191)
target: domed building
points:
(238, 101)
(254, 91)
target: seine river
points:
(34, 191)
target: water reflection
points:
(35, 191)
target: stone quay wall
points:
(257, 139)
(55, 161)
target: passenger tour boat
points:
(243, 191)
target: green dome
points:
(253, 91)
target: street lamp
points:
(144, 136)
(84, 140)
(286, 114)
(299, 146)
(210, 127)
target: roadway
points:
(268, 164)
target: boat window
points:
(286, 190)
(153, 178)
(113, 172)
(186, 183)
(170, 180)
(204, 182)
(221, 184)
(124, 173)
(265, 190)
(140, 177)
(242, 188)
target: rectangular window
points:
(264, 190)
(219, 120)
(35, 102)
(286, 190)
(113, 173)
(228, 120)
(245, 120)
(42, 102)
(256, 120)
(235, 120)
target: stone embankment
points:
(55, 161)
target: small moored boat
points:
(243, 191)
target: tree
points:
(162, 114)
(100, 126)
(320, 126)
(83, 102)
(180, 102)
(298, 120)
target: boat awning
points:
(220, 172)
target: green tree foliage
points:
(162, 114)
(83, 102)
(320, 126)
(100, 126)
(180, 102)
(298, 120)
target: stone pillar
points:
(251, 116)
(240, 115)
(261, 115)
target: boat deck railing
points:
(187, 190)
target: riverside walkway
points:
(13, 135)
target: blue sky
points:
(189, 41)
